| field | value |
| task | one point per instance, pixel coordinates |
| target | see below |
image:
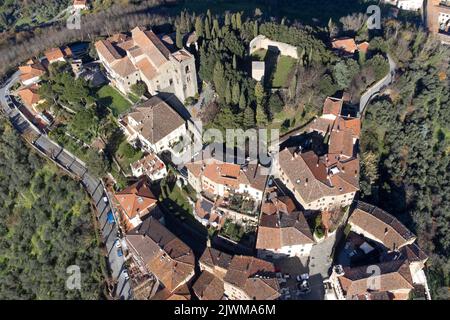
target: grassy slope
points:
(112, 99)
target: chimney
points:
(306, 182)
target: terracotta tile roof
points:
(213, 257)
(53, 54)
(118, 38)
(223, 173)
(229, 174)
(311, 178)
(149, 164)
(31, 70)
(363, 46)
(208, 287)
(165, 255)
(182, 293)
(182, 55)
(253, 176)
(352, 124)
(286, 204)
(341, 142)
(345, 44)
(137, 198)
(394, 275)
(382, 295)
(254, 276)
(151, 45)
(323, 125)
(123, 67)
(283, 229)
(156, 119)
(30, 95)
(135, 51)
(147, 69)
(107, 51)
(332, 106)
(194, 168)
(413, 253)
(126, 45)
(268, 208)
(381, 225)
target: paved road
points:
(92, 185)
(376, 88)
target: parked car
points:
(105, 199)
(110, 217)
(118, 243)
(126, 275)
(119, 252)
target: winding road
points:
(377, 87)
(76, 168)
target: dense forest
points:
(24, 12)
(46, 225)
(405, 146)
(225, 64)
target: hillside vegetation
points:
(405, 146)
(46, 225)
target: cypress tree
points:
(199, 27)
(248, 118)
(238, 21)
(207, 29)
(227, 19)
(179, 39)
(235, 93)
(228, 97)
(242, 101)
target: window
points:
(187, 69)
(170, 81)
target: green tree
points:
(242, 101)
(261, 116)
(236, 93)
(228, 93)
(344, 72)
(255, 29)
(216, 27)
(275, 103)
(248, 118)
(96, 163)
(199, 27)
(139, 88)
(219, 79)
(259, 94)
(179, 39)
(227, 19)
(238, 21)
(207, 29)
(208, 14)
